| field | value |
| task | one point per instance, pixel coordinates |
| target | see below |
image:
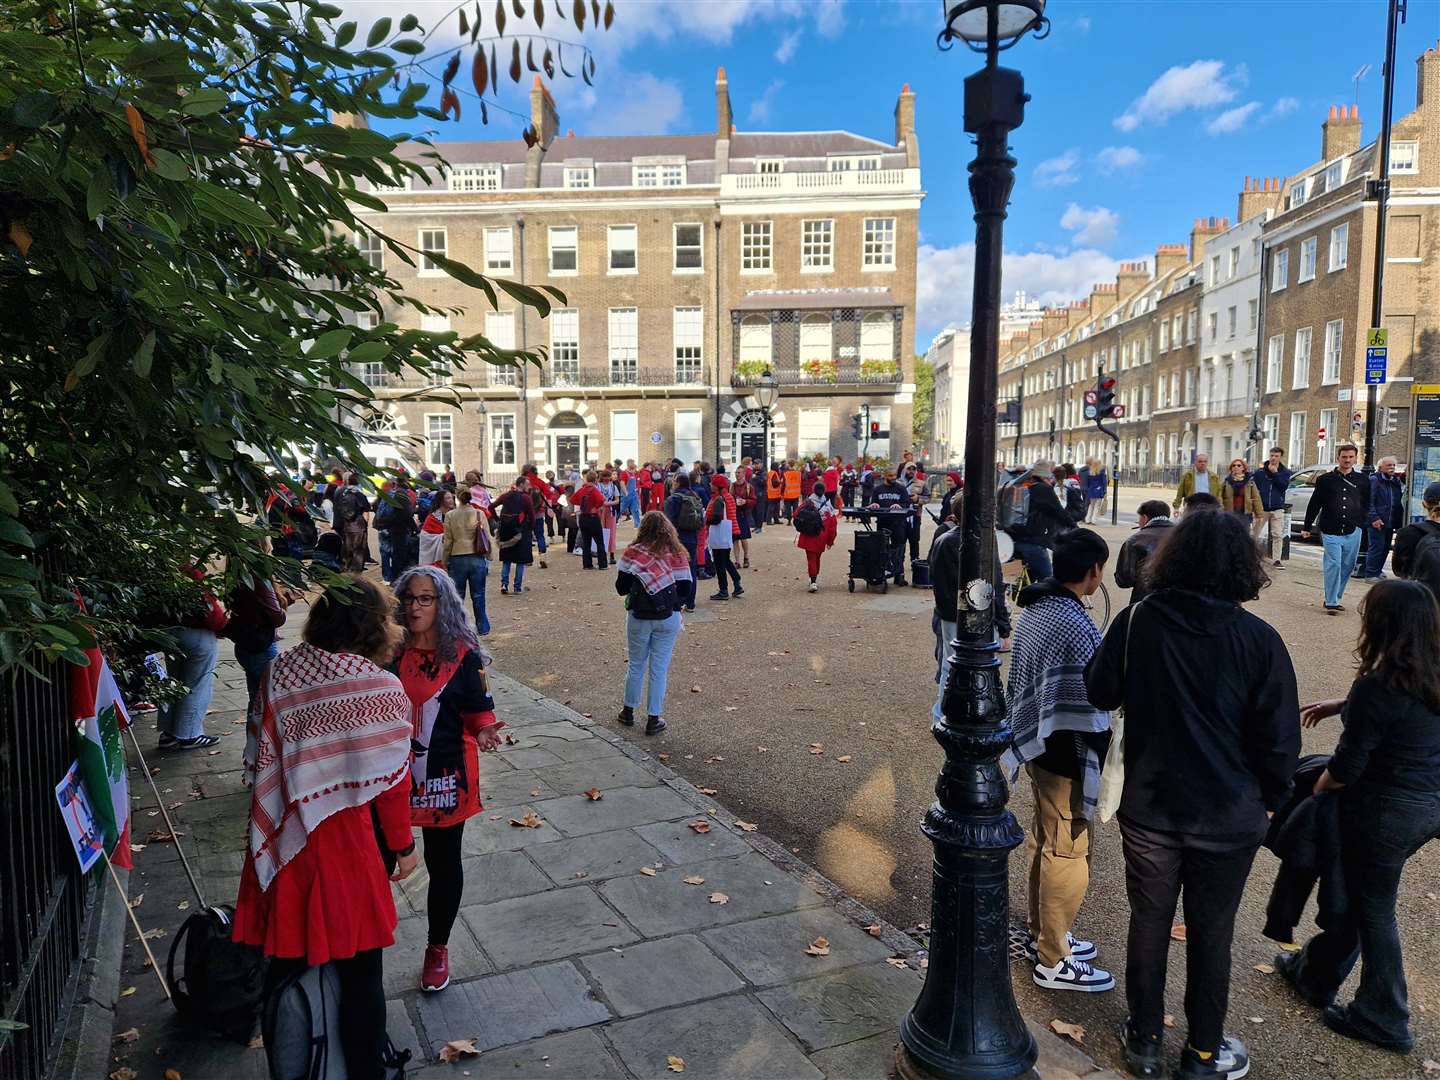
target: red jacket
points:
(588, 500)
(825, 538)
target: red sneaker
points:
(436, 974)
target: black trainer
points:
(719, 596)
(1288, 965)
(739, 591)
(1144, 1054)
(1231, 1061)
(655, 725)
(1338, 1019)
(627, 716)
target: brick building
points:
(690, 263)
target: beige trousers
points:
(1059, 846)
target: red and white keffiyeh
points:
(334, 733)
(654, 570)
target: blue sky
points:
(1145, 115)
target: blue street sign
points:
(1376, 362)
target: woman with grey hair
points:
(442, 668)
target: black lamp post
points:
(482, 412)
(965, 1023)
(767, 390)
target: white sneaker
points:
(814, 587)
(1070, 974)
(1079, 950)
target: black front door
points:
(567, 451)
(752, 445)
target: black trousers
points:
(688, 593)
(1212, 871)
(790, 505)
(1379, 831)
(895, 541)
(914, 536)
(775, 506)
(447, 879)
(592, 532)
(758, 513)
(724, 564)
(362, 1008)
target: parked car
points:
(1302, 486)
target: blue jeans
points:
(947, 655)
(540, 535)
(1340, 555)
(195, 667)
(1036, 558)
(472, 570)
(1378, 550)
(255, 665)
(519, 575)
(651, 644)
(630, 504)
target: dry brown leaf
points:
(663, 756)
(1289, 947)
(819, 947)
(762, 749)
(719, 898)
(127, 991)
(896, 961)
(535, 793)
(648, 871)
(173, 1074)
(510, 740)
(1074, 1031)
(124, 1073)
(845, 760)
(151, 935)
(817, 748)
(1169, 1020)
(674, 1064)
(455, 1049)
(594, 794)
(137, 132)
(708, 791)
(874, 931)
(746, 826)
(160, 836)
(528, 821)
(213, 753)
(133, 1035)
(1256, 1019)
(1430, 1065)
(137, 900)
(1265, 969)
(257, 1043)
(184, 905)
(702, 826)
(694, 689)
(694, 879)
(20, 237)
(1177, 932)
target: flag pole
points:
(170, 825)
(139, 933)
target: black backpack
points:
(222, 981)
(808, 521)
(1425, 563)
(690, 516)
(302, 1016)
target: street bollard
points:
(1284, 539)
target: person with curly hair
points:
(1211, 741)
(328, 747)
(1386, 772)
(452, 720)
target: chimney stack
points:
(1340, 134)
(1260, 194)
(905, 126)
(724, 118)
(1427, 79)
(544, 117)
(1131, 279)
(1103, 297)
(1169, 258)
(1200, 235)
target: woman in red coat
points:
(812, 537)
(452, 719)
(328, 745)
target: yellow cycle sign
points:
(1377, 337)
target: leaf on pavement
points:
(1289, 947)
(708, 791)
(762, 749)
(896, 961)
(257, 1043)
(648, 871)
(1169, 1020)
(127, 991)
(1256, 1019)
(702, 826)
(133, 1035)
(528, 821)
(1074, 1031)
(151, 935)
(510, 740)
(173, 1074)
(594, 795)
(1265, 969)
(184, 905)
(746, 826)
(719, 898)
(663, 756)
(694, 879)
(1430, 1065)
(874, 931)
(455, 1049)
(845, 760)
(1177, 932)
(124, 1073)
(816, 748)
(819, 947)
(138, 899)
(694, 689)
(674, 1064)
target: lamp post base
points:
(907, 1068)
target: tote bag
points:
(1112, 776)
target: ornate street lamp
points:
(965, 1023)
(481, 411)
(767, 392)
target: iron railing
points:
(45, 901)
(840, 375)
(561, 377)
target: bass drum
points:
(1004, 546)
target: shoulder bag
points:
(1112, 775)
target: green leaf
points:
(331, 343)
(368, 352)
(408, 23)
(58, 633)
(533, 298)
(462, 273)
(170, 166)
(379, 32)
(32, 110)
(345, 34)
(18, 570)
(229, 204)
(204, 101)
(144, 356)
(98, 193)
(93, 352)
(217, 369)
(409, 46)
(8, 505)
(12, 532)
(157, 60)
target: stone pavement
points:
(605, 940)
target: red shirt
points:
(832, 479)
(589, 499)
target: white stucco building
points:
(949, 354)
(1229, 321)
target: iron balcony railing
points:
(553, 376)
(1235, 406)
(822, 375)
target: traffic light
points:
(856, 427)
(874, 429)
(1105, 397)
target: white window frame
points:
(1214, 270)
(565, 346)
(698, 248)
(623, 344)
(498, 437)
(433, 459)
(812, 431)
(617, 232)
(1232, 320)
(1309, 256)
(579, 176)
(871, 347)
(573, 247)
(1234, 262)
(371, 249)
(688, 335)
(1297, 194)
(500, 332)
(1328, 419)
(693, 445)
(667, 174)
(1213, 325)
(877, 248)
(757, 247)
(1334, 352)
(624, 449)
(474, 178)
(1280, 270)
(755, 331)
(1299, 437)
(1254, 314)
(1300, 360)
(816, 338)
(769, 166)
(1399, 166)
(853, 163)
(499, 256)
(427, 268)
(1339, 257)
(1275, 364)
(817, 245)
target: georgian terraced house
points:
(1256, 326)
(690, 264)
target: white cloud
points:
(1113, 159)
(1232, 120)
(946, 279)
(643, 105)
(1082, 24)
(1283, 107)
(1093, 226)
(1203, 84)
(760, 107)
(1058, 171)
(788, 44)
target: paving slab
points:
(594, 857)
(605, 773)
(530, 929)
(772, 950)
(725, 1039)
(527, 757)
(864, 1059)
(515, 1007)
(404, 959)
(401, 1030)
(621, 808)
(679, 843)
(587, 749)
(514, 786)
(664, 904)
(656, 974)
(497, 876)
(214, 785)
(571, 1056)
(860, 1001)
(491, 831)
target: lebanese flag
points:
(100, 716)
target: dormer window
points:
(659, 175)
(770, 166)
(579, 177)
(855, 162)
(475, 178)
(1297, 194)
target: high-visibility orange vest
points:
(775, 485)
(792, 483)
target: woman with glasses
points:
(452, 716)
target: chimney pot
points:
(720, 74)
(1334, 113)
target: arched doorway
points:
(748, 437)
(742, 431)
(567, 441)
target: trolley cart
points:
(870, 557)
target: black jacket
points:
(1134, 552)
(1272, 486)
(1304, 834)
(1046, 518)
(1204, 753)
(644, 605)
(945, 580)
(1406, 541)
(1341, 502)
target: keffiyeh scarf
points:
(656, 571)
